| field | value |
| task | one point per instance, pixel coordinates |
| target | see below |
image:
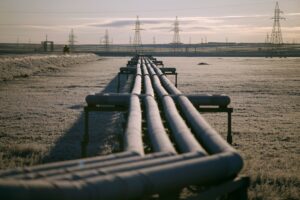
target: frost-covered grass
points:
(265, 95)
(41, 116)
(24, 66)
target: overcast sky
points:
(237, 20)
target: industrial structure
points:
(267, 39)
(106, 41)
(276, 35)
(72, 40)
(182, 148)
(176, 38)
(137, 40)
(47, 44)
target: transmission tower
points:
(137, 41)
(176, 38)
(72, 40)
(267, 40)
(106, 40)
(276, 35)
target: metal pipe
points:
(122, 99)
(181, 133)
(147, 82)
(138, 79)
(143, 163)
(209, 100)
(133, 180)
(119, 99)
(132, 184)
(72, 173)
(156, 131)
(133, 133)
(69, 163)
(208, 137)
(137, 85)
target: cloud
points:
(150, 23)
(292, 14)
(162, 23)
(119, 23)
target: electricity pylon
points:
(72, 40)
(106, 40)
(137, 41)
(276, 35)
(267, 40)
(176, 37)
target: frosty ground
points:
(41, 116)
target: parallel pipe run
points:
(149, 161)
(155, 128)
(208, 137)
(133, 133)
(71, 163)
(129, 175)
(62, 173)
(147, 82)
(132, 184)
(100, 169)
(181, 133)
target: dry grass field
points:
(41, 116)
(265, 95)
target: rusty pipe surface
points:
(130, 185)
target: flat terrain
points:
(265, 95)
(41, 116)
